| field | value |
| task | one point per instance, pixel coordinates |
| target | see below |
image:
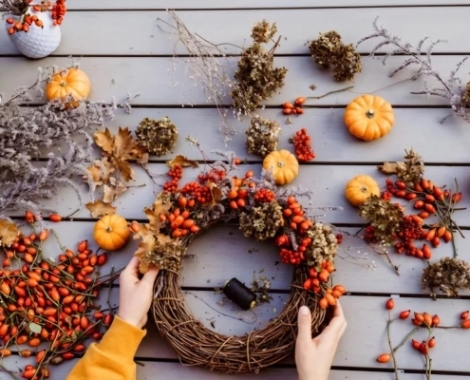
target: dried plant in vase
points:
(330, 52)
(452, 89)
(50, 130)
(34, 27)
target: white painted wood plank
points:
(328, 133)
(219, 27)
(327, 183)
(149, 78)
(269, 4)
(223, 253)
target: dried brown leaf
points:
(183, 162)
(8, 232)
(109, 193)
(100, 208)
(388, 167)
(215, 191)
(104, 140)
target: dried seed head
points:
(158, 137)
(262, 136)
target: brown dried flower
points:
(262, 222)
(324, 244)
(158, 137)
(256, 77)
(263, 32)
(448, 274)
(330, 52)
(412, 170)
(466, 96)
(384, 216)
(262, 136)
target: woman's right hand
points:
(314, 357)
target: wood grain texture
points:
(332, 142)
(218, 27)
(327, 182)
(268, 4)
(158, 87)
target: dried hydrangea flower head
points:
(328, 51)
(324, 246)
(158, 137)
(262, 136)
(262, 222)
(448, 274)
(263, 32)
(256, 78)
(410, 171)
(385, 216)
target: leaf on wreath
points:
(8, 232)
(160, 207)
(146, 246)
(183, 162)
(100, 208)
(215, 191)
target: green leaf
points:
(36, 329)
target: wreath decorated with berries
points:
(263, 211)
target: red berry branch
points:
(302, 145)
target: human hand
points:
(135, 296)
(314, 357)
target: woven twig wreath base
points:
(196, 345)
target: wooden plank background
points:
(139, 62)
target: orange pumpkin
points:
(111, 232)
(72, 82)
(360, 189)
(284, 165)
(369, 117)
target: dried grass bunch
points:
(457, 94)
(28, 133)
(329, 52)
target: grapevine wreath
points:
(263, 211)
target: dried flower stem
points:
(392, 351)
(331, 92)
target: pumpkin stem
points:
(281, 164)
(63, 83)
(370, 113)
(109, 229)
(364, 189)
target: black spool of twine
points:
(240, 294)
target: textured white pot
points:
(37, 42)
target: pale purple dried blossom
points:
(452, 89)
(28, 133)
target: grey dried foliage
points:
(158, 136)
(330, 52)
(261, 285)
(262, 136)
(51, 130)
(452, 89)
(256, 78)
(384, 216)
(449, 275)
(410, 171)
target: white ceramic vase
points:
(37, 42)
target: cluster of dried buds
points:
(48, 307)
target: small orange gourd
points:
(360, 188)
(111, 232)
(72, 82)
(284, 165)
(369, 117)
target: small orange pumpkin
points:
(284, 165)
(360, 188)
(111, 232)
(72, 82)
(369, 117)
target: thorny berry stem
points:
(392, 351)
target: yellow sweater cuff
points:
(122, 339)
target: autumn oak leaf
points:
(100, 208)
(183, 162)
(8, 232)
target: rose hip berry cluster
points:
(302, 145)
(296, 108)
